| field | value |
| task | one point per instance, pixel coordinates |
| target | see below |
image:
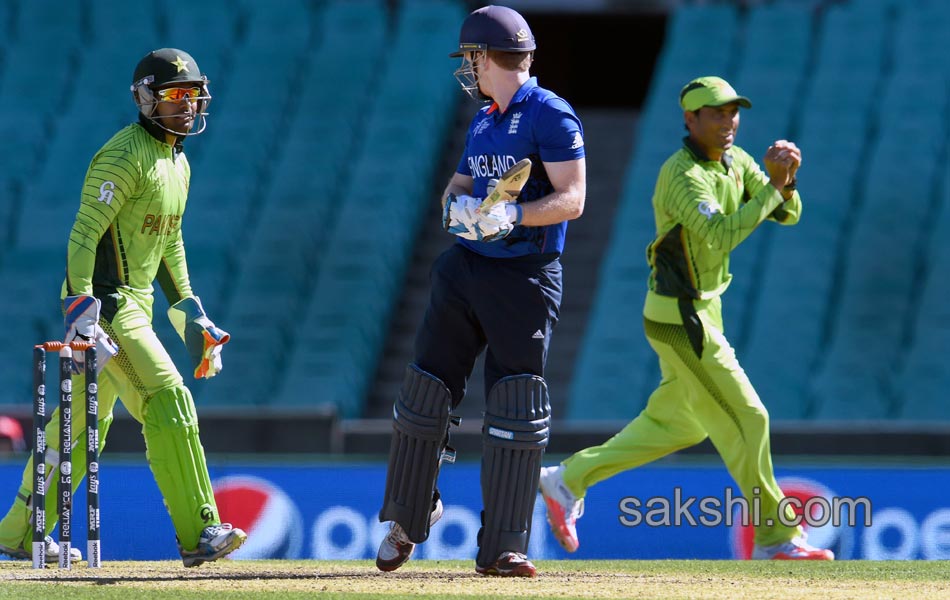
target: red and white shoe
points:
(794, 549)
(396, 548)
(509, 564)
(563, 508)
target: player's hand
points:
(202, 338)
(782, 160)
(82, 323)
(792, 154)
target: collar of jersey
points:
(699, 155)
(526, 88)
(158, 133)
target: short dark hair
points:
(695, 112)
(512, 61)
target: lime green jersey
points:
(128, 228)
(703, 210)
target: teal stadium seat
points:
(922, 381)
(46, 219)
(295, 210)
(32, 280)
(271, 176)
(70, 150)
(882, 253)
(24, 135)
(126, 30)
(772, 66)
(209, 33)
(798, 277)
(365, 256)
(50, 21)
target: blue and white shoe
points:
(52, 552)
(215, 542)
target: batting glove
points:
(500, 220)
(461, 217)
(202, 338)
(460, 214)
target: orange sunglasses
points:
(176, 94)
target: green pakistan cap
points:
(710, 91)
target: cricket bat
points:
(509, 186)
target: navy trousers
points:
(509, 305)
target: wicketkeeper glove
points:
(82, 323)
(202, 338)
(461, 217)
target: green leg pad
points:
(177, 460)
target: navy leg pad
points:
(420, 430)
(514, 436)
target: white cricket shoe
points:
(395, 549)
(563, 508)
(52, 552)
(216, 541)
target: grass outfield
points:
(457, 579)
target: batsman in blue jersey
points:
(499, 290)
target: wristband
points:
(515, 213)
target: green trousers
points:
(697, 397)
(151, 388)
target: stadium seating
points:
(309, 182)
(285, 181)
(376, 207)
(855, 88)
(920, 375)
(770, 72)
(891, 207)
(792, 284)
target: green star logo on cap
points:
(182, 65)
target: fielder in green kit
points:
(710, 195)
(127, 234)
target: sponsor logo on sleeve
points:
(105, 192)
(707, 209)
(578, 141)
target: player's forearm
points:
(458, 190)
(554, 208)
(80, 264)
(726, 232)
(460, 185)
(173, 272)
(81, 252)
(790, 211)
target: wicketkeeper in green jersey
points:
(127, 234)
(710, 195)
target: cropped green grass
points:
(423, 579)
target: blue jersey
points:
(538, 125)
